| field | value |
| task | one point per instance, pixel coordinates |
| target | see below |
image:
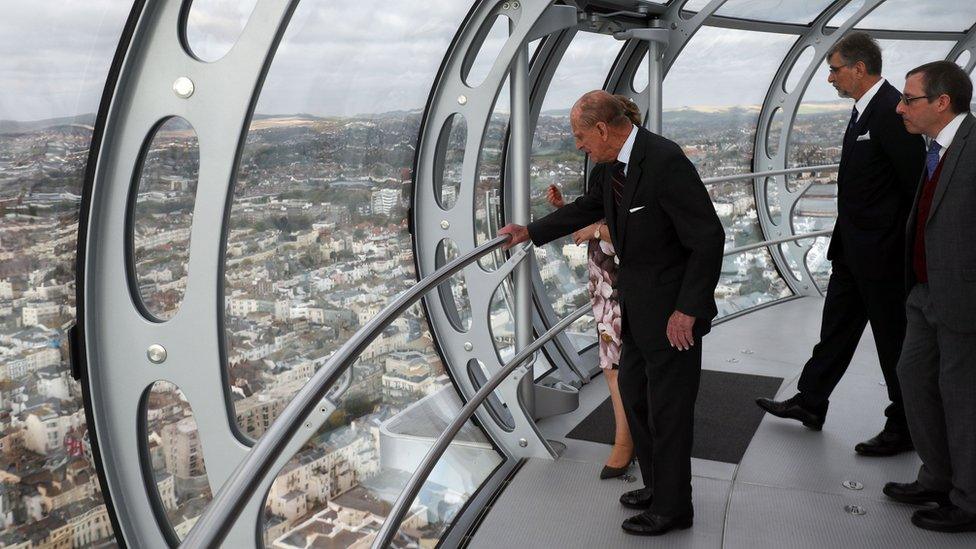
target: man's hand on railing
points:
(519, 234)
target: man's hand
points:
(679, 330)
(519, 234)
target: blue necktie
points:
(932, 158)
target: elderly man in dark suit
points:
(938, 362)
(879, 169)
(669, 243)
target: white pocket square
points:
(865, 137)
(638, 208)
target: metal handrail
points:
(771, 173)
(392, 523)
(236, 492)
(775, 241)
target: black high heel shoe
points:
(614, 472)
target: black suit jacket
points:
(950, 234)
(666, 235)
(876, 182)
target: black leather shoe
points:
(945, 518)
(913, 493)
(792, 409)
(638, 499)
(649, 524)
(886, 443)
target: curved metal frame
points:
(118, 373)
(432, 223)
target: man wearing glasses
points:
(938, 362)
(880, 166)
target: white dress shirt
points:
(948, 133)
(624, 154)
(865, 99)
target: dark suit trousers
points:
(938, 373)
(850, 304)
(658, 389)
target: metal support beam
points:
(520, 149)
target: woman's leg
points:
(623, 445)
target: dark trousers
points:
(658, 389)
(850, 304)
(938, 373)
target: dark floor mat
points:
(726, 415)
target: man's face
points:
(920, 114)
(841, 76)
(593, 140)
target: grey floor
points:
(788, 491)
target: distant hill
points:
(16, 126)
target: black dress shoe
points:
(945, 518)
(886, 443)
(649, 524)
(791, 408)
(638, 499)
(914, 493)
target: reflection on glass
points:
(175, 457)
(921, 15)
(52, 69)
(781, 11)
(213, 26)
(318, 244)
(488, 215)
(163, 216)
(454, 291)
(454, 137)
(502, 322)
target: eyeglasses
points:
(907, 99)
(835, 70)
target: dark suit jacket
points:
(875, 185)
(666, 235)
(950, 234)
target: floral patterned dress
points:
(606, 309)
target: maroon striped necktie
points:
(617, 179)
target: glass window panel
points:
(488, 186)
(845, 13)
(213, 26)
(163, 216)
(749, 278)
(53, 65)
(175, 455)
(781, 11)
(555, 161)
(318, 244)
(709, 108)
(921, 15)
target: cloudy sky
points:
(367, 56)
